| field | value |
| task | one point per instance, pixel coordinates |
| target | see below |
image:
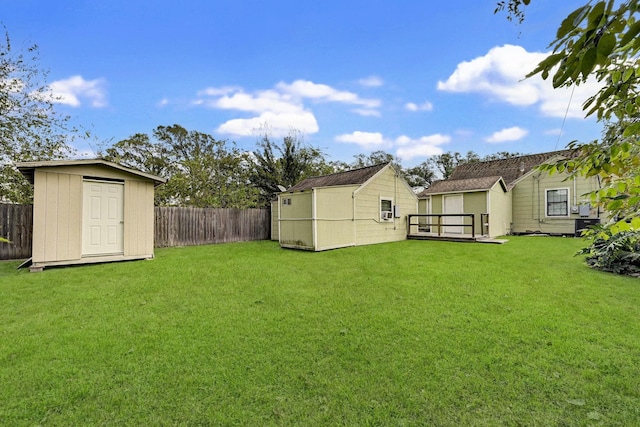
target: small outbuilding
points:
(513, 196)
(358, 207)
(89, 211)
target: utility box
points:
(584, 210)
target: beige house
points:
(88, 211)
(511, 196)
(358, 207)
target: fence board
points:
(173, 227)
(16, 224)
(203, 226)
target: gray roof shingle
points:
(457, 185)
(352, 177)
(483, 175)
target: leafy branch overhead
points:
(601, 40)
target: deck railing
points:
(439, 225)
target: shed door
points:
(453, 205)
(103, 218)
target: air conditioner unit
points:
(387, 215)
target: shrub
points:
(615, 252)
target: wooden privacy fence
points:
(202, 226)
(16, 224)
(173, 227)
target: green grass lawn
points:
(407, 333)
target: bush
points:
(615, 252)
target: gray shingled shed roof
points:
(352, 177)
(461, 185)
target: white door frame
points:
(102, 217)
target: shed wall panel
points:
(296, 228)
(499, 209)
(274, 219)
(474, 203)
(334, 217)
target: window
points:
(386, 208)
(286, 201)
(558, 202)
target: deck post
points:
(473, 226)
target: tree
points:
(500, 155)
(375, 158)
(30, 127)
(284, 165)
(201, 171)
(601, 40)
(445, 163)
(420, 176)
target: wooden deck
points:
(432, 227)
(450, 237)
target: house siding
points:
(370, 228)
(529, 206)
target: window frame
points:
(385, 199)
(546, 203)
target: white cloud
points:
(363, 139)
(162, 103)
(556, 131)
(280, 124)
(281, 108)
(507, 135)
(73, 90)
(371, 81)
(217, 91)
(322, 92)
(426, 106)
(501, 75)
(422, 147)
(367, 113)
(407, 148)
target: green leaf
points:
(588, 61)
(596, 14)
(635, 223)
(631, 130)
(572, 21)
(631, 34)
(606, 44)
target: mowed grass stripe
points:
(413, 333)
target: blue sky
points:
(413, 78)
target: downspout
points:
(395, 197)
